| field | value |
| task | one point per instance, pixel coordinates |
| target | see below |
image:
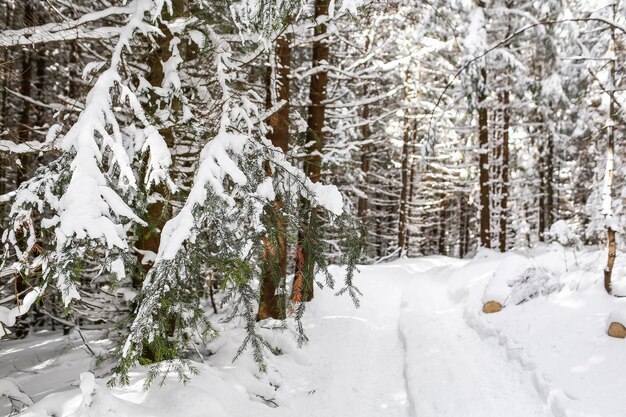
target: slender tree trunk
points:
(23, 127)
(483, 161)
(409, 210)
(275, 252)
(464, 226)
(362, 205)
(72, 88)
(546, 184)
(4, 76)
(607, 200)
(549, 206)
(304, 278)
(441, 250)
(542, 188)
(405, 164)
(504, 170)
(40, 80)
(404, 192)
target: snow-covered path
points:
(358, 354)
(453, 372)
(409, 352)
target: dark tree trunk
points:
(464, 225)
(409, 211)
(546, 185)
(362, 205)
(404, 192)
(4, 117)
(504, 170)
(304, 275)
(441, 249)
(275, 252)
(610, 172)
(23, 127)
(483, 161)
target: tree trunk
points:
(504, 170)
(483, 161)
(405, 161)
(304, 275)
(464, 225)
(4, 117)
(441, 249)
(362, 205)
(275, 252)
(404, 192)
(23, 127)
(409, 211)
(549, 172)
(607, 200)
(546, 184)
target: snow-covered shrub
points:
(518, 279)
(561, 232)
(13, 391)
(533, 282)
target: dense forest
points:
(167, 166)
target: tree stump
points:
(491, 307)
(617, 330)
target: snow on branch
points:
(92, 209)
(8, 316)
(25, 147)
(67, 30)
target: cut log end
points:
(491, 307)
(617, 330)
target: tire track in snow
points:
(407, 386)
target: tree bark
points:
(441, 249)
(362, 205)
(504, 170)
(610, 172)
(546, 184)
(304, 275)
(483, 161)
(404, 192)
(405, 163)
(275, 252)
(409, 211)
(23, 127)
(463, 225)
(4, 117)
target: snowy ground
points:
(418, 347)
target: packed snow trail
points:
(451, 371)
(406, 352)
(357, 354)
(409, 352)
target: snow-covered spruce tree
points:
(77, 209)
(94, 196)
